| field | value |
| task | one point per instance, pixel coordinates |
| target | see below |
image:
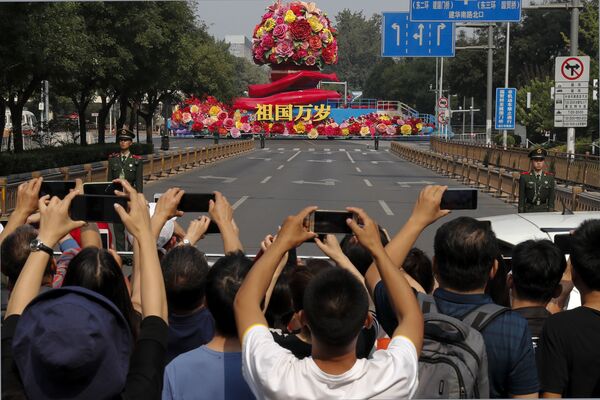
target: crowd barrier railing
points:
(499, 181)
(156, 166)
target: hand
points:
(330, 247)
(294, 232)
(54, 218)
(117, 257)
(368, 234)
(137, 220)
(166, 206)
(78, 185)
(197, 229)
(267, 242)
(33, 219)
(220, 210)
(427, 208)
(28, 194)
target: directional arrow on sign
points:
(324, 182)
(222, 178)
(408, 184)
(439, 32)
(325, 161)
(419, 36)
(396, 27)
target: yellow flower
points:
(238, 124)
(313, 134)
(269, 24)
(419, 126)
(194, 109)
(299, 127)
(289, 16)
(384, 118)
(214, 110)
(260, 32)
(406, 129)
(315, 24)
(329, 36)
(237, 115)
(364, 131)
(345, 131)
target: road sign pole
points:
(441, 90)
(506, 69)
(490, 71)
(472, 107)
(574, 50)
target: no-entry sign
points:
(572, 69)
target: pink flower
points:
(246, 127)
(310, 60)
(267, 41)
(304, 45)
(285, 49)
(280, 30)
(280, 20)
(222, 115)
(390, 130)
(228, 123)
(187, 117)
(235, 133)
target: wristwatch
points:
(185, 242)
(37, 245)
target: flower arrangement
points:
(297, 33)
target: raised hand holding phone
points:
(55, 221)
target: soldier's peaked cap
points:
(126, 134)
(538, 153)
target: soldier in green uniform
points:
(124, 165)
(536, 187)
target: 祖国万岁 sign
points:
(289, 112)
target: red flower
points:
(297, 8)
(267, 41)
(354, 128)
(273, 58)
(315, 42)
(300, 29)
(197, 126)
(328, 54)
(256, 127)
(277, 128)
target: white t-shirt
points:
(273, 372)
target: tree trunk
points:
(102, 114)
(81, 104)
(123, 104)
(2, 120)
(149, 115)
(148, 120)
(132, 116)
(16, 112)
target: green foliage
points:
(510, 140)
(540, 118)
(55, 157)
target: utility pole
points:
(490, 71)
(442, 91)
(574, 38)
(506, 68)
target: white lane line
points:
(294, 156)
(266, 149)
(326, 150)
(369, 184)
(296, 148)
(358, 150)
(280, 149)
(281, 166)
(266, 179)
(239, 202)
(372, 150)
(385, 207)
(342, 149)
(350, 157)
(311, 149)
(358, 169)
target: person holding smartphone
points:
(124, 165)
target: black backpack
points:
(453, 362)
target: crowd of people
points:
(377, 319)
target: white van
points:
(28, 123)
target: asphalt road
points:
(269, 184)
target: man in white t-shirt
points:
(335, 310)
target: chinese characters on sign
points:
(506, 99)
(289, 112)
(465, 10)
(571, 91)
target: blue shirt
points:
(187, 332)
(511, 360)
(206, 374)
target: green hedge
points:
(54, 157)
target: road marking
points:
(326, 150)
(325, 182)
(281, 149)
(385, 207)
(311, 149)
(408, 184)
(325, 161)
(358, 150)
(266, 149)
(342, 149)
(294, 156)
(358, 169)
(266, 179)
(296, 148)
(369, 184)
(259, 158)
(372, 150)
(223, 178)
(239, 202)
(381, 162)
(350, 157)
(281, 166)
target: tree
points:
(359, 46)
(539, 119)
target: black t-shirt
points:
(300, 349)
(569, 353)
(535, 316)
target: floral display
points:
(295, 33)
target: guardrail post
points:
(3, 183)
(88, 172)
(576, 191)
(514, 187)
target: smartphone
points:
(564, 242)
(195, 202)
(212, 228)
(56, 188)
(459, 199)
(330, 221)
(104, 238)
(102, 188)
(96, 208)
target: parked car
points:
(29, 124)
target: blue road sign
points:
(465, 10)
(402, 38)
(506, 102)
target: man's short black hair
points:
(15, 250)
(224, 280)
(336, 306)
(184, 271)
(418, 266)
(301, 276)
(359, 256)
(465, 250)
(537, 267)
(585, 255)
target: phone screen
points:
(93, 208)
(102, 188)
(459, 199)
(104, 238)
(331, 221)
(195, 202)
(56, 188)
(212, 228)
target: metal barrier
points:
(500, 182)
(571, 169)
(156, 166)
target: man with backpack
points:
(463, 326)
